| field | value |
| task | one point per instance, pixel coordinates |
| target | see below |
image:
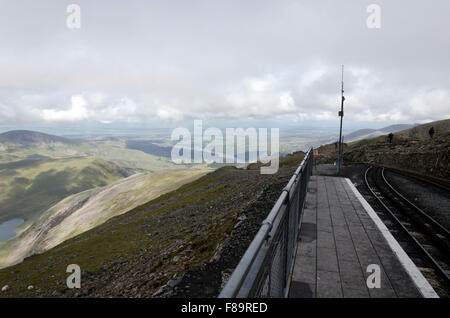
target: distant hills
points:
(149, 147)
(31, 186)
(371, 133)
(360, 134)
(131, 155)
(33, 138)
(62, 187)
(420, 132)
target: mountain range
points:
(371, 133)
(33, 138)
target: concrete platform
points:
(340, 236)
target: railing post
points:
(286, 240)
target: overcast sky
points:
(167, 61)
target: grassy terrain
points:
(149, 147)
(292, 143)
(31, 186)
(137, 252)
(88, 209)
(113, 150)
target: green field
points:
(110, 150)
(31, 186)
(83, 211)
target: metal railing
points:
(265, 268)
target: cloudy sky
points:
(164, 62)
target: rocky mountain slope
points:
(372, 133)
(411, 149)
(86, 210)
(166, 242)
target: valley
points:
(136, 253)
(142, 234)
(31, 186)
(54, 188)
(85, 210)
(110, 149)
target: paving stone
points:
(305, 272)
(327, 259)
(342, 233)
(309, 216)
(306, 249)
(346, 251)
(355, 293)
(324, 225)
(302, 290)
(338, 241)
(308, 232)
(328, 285)
(351, 275)
(306, 263)
(325, 239)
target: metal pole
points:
(341, 114)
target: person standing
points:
(390, 137)
(431, 132)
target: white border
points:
(421, 283)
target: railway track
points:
(436, 182)
(429, 237)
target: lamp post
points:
(341, 114)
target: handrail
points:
(274, 243)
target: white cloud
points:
(167, 113)
(77, 111)
(311, 76)
(286, 103)
(165, 63)
(430, 104)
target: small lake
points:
(7, 229)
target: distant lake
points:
(7, 229)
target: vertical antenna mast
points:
(341, 114)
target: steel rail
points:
(419, 210)
(429, 180)
(405, 230)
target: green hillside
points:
(110, 150)
(30, 138)
(135, 253)
(22, 144)
(85, 210)
(31, 186)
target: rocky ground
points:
(182, 244)
(430, 156)
(209, 279)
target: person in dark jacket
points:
(390, 137)
(431, 132)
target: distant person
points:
(335, 145)
(431, 132)
(390, 137)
